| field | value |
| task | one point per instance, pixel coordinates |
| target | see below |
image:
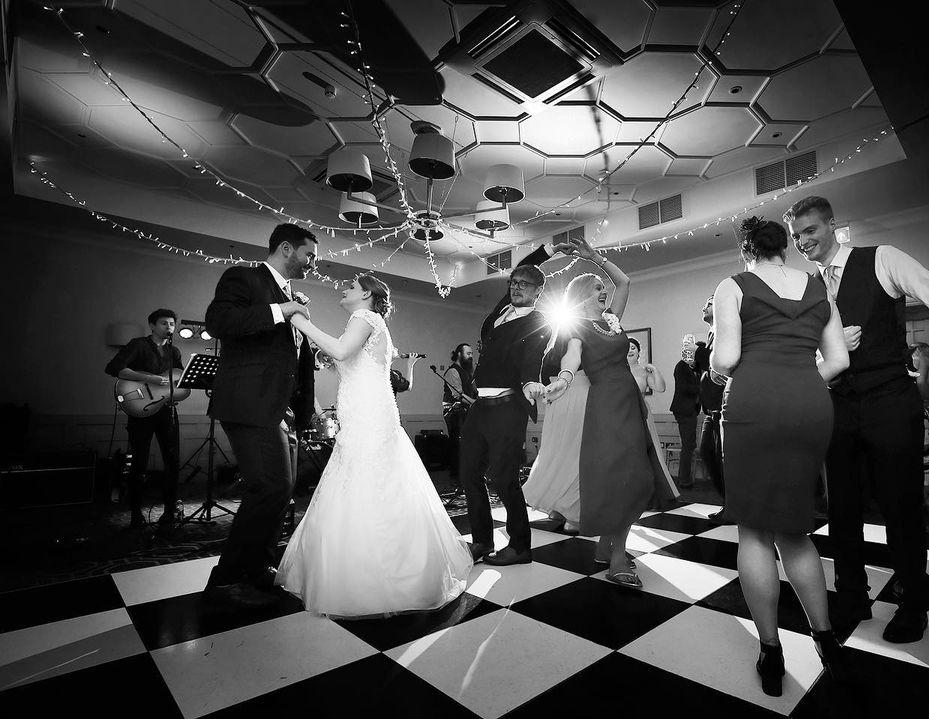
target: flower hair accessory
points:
(612, 321)
(751, 224)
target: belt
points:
(508, 396)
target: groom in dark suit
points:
(513, 338)
(263, 390)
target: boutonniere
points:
(301, 298)
(612, 321)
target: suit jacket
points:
(259, 374)
(686, 400)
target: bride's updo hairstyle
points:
(762, 239)
(380, 294)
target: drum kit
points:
(324, 428)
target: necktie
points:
(296, 333)
(508, 314)
(832, 281)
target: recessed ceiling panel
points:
(679, 25)
(838, 81)
(569, 130)
(710, 131)
(648, 85)
(314, 139)
(622, 21)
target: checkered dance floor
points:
(552, 638)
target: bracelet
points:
(569, 381)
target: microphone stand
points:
(175, 430)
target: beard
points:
(467, 365)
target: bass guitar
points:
(141, 399)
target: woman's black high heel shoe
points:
(833, 656)
(771, 668)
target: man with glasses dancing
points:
(513, 338)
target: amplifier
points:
(49, 480)
(432, 448)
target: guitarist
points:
(150, 359)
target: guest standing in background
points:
(711, 401)
(646, 377)
(685, 406)
(776, 424)
(458, 394)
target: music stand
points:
(199, 374)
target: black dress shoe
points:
(771, 668)
(264, 579)
(480, 550)
(507, 556)
(241, 595)
(907, 626)
(718, 517)
(834, 657)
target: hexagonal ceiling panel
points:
(645, 164)
(710, 131)
(315, 139)
(623, 21)
(648, 85)
(251, 165)
(768, 35)
(840, 80)
(590, 129)
(679, 25)
(474, 164)
(124, 127)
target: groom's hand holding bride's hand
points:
(533, 390)
(289, 309)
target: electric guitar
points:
(141, 399)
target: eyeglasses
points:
(521, 284)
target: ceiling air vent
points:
(655, 213)
(533, 64)
(575, 233)
(501, 261)
(784, 173)
(800, 167)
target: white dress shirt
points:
(898, 273)
(276, 311)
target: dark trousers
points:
(687, 426)
(492, 441)
(141, 430)
(454, 420)
(267, 457)
(711, 451)
(876, 446)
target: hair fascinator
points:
(751, 224)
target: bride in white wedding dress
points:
(375, 539)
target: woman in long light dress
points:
(647, 376)
(375, 539)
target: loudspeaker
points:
(49, 480)
(432, 448)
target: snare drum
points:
(326, 425)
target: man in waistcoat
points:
(877, 440)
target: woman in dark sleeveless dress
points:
(618, 463)
(776, 426)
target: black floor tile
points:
(877, 555)
(882, 687)
(676, 523)
(372, 687)
(179, 619)
(127, 687)
(891, 593)
(704, 551)
(575, 555)
(55, 602)
(730, 600)
(390, 632)
(619, 686)
(463, 524)
(599, 611)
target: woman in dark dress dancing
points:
(776, 427)
(618, 463)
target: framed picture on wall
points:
(644, 337)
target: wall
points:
(61, 288)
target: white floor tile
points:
(701, 511)
(47, 650)
(647, 539)
(150, 584)
(719, 651)
(507, 585)
(677, 578)
(723, 533)
(494, 663)
(499, 513)
(539, 538)
(876, 533)
(877, 576)
(210, 673)
(867, 637)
